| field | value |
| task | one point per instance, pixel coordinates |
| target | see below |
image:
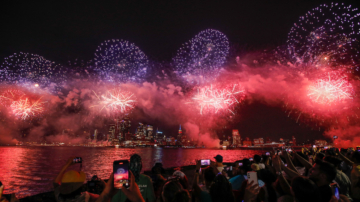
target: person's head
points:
(209, 176)
(257, 158)
(319, 156)
(182, 178)
(333, 160)
(330, 152)
(304, 190)
(322, 172)
(221, 190)
(135, 166)
(174, 192)
(158, 169)
(71, 183)
(218, 158)
(355, 156)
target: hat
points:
(219, 158)
(71, 181)
(179, 174)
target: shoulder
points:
(145, 178)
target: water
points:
(28, 171)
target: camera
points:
(95, 185)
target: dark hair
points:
(356, 155)
(328, 169)
(72, 195)
(257, 158)
(172, 189)
(182, 196)
(305, 190)
(135, 166)
(333, 160)
(221, 190)
(320, 155)
(209, 174)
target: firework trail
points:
(120, 61)
(201, 58)
(26, 108)
(116, 101)
(213, 100)
(9, 96)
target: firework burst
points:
(201, 58)
(116, 101)
(330, 91)
(26, 108)
(212, 100)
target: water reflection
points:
(31, 170)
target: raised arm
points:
(289, 162)
(283, 182)
(303, 161)
(346, 160)
(61, 173)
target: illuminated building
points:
(179, 135)
(95, 134)
(235, 137)
(150, 132)
(247, 143)
(259, 141)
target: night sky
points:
(66, 30)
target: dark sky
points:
(66, 30)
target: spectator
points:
(143, 181)
(305, 190)
(174, 192)
(219, 163)
(341, 178)
(237, 181)
(182, 178)
(221, 190)
(257, 160)
(323, 173)
(157, 177)
(355, 173)
(68, 186)
(319, 156)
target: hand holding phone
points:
(252, 176)
(77, 160)
(240, 164)
(267, 153)
(121, 174)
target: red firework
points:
(212, 100)
(330, 90)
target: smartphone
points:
(252, 176)
(267, 153)
(230, 168)
(77, 160)
(251, 159)
(240, 164)
(335, 190)
(121, 174)
(205, 162)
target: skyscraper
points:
(179, 135)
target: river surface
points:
(28, 171)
